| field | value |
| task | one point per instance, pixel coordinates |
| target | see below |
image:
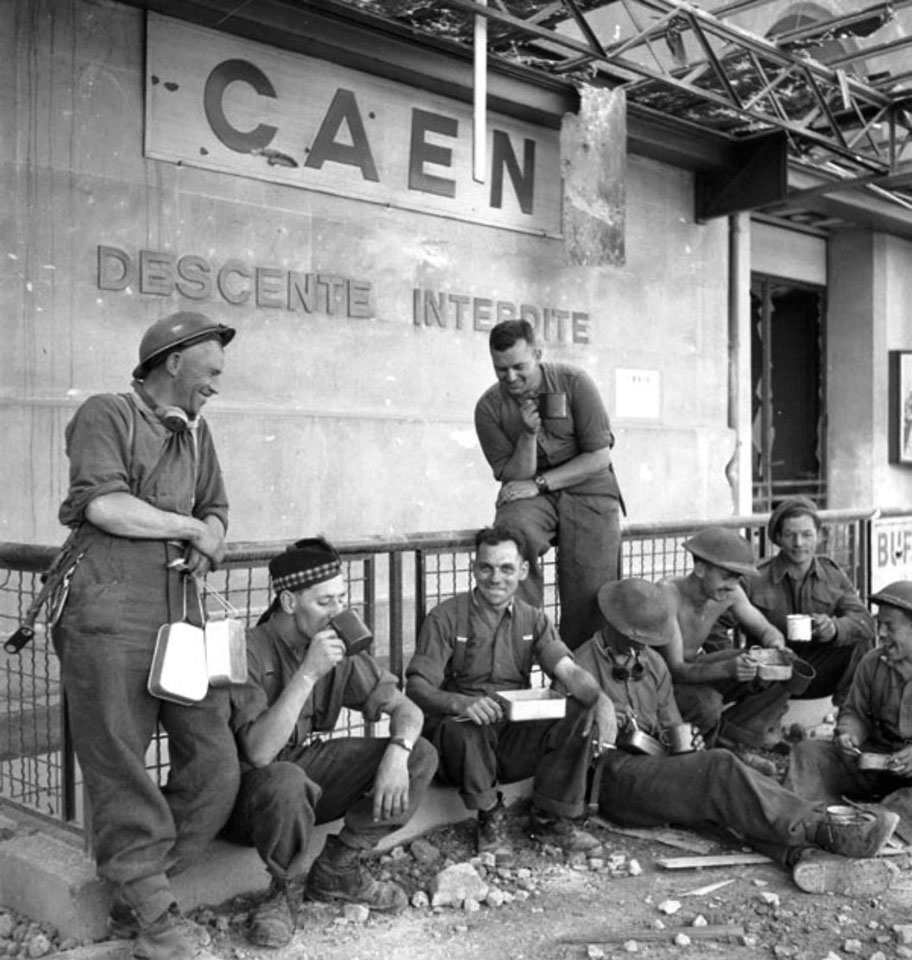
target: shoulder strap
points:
(461, 640)
(523, 643)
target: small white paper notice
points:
(637, 394)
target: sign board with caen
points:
(891, 551)
(232, 105)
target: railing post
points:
(396, 617)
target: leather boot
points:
(271, 923)
(491, 833)
(337, 874)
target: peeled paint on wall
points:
(594, 166)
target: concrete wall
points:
(868, 315)
(346, 426)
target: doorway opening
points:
(788, 348)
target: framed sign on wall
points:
(900, 385)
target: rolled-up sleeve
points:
(97, 441)
(369, 688)
(549, 648)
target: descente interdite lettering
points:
(460, 311)
(264, 286)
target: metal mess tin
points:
(771, 664)
(874, 761)
(634, 740)
(178, 672)
(538, 704)
(226, 652)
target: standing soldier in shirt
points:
(554, 466)
(146, 498)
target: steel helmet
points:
(180, 329)
(896, 594)
(724, 548)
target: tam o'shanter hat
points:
(896, 594)
(723, 548)
(303, 564)
(790, 507)
(638, 609)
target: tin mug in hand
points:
(553, 406)
(678, 738)
(352, 630)
(799, 627)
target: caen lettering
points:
(342, 138)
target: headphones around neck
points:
(175, 419)
(623, 674)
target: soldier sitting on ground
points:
(708, 682)
(700, 788)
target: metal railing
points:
(392, 582)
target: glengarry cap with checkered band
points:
(303, 564)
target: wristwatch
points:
(541, 483)
(402, 742)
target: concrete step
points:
(46, 875)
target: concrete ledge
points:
(45, 874)
(52, 881)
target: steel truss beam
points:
(678, 59)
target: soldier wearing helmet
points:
(870, 755)
(706, 681)
(146, 507)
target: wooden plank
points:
(709, 932)
(716, 860)
(682, 839)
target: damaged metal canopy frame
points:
(688, 63)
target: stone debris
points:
(426, 853)
(420, 900)
(699, 921)
(631, 946)
(634, 868)
(669, 907)
(453, 885)
(903, 932)
(682, 940)
(495, 897)
(39, 945)
(594, 952)
(356, 913)
(771, 898)
(852, 946)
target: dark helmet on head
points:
(724, 548)
(177, 330)
(897, 594)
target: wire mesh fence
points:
(392, 584)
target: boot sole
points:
(850, 878)
(328, 896)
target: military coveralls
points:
(122, 592)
